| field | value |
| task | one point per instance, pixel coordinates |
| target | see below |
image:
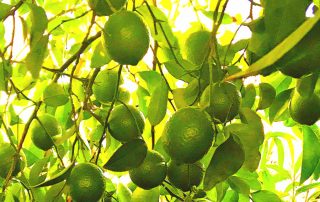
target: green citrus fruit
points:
(151, 172)
(188, 135)
(86, 182)
(43, 130)
(305, 110)
(105, 85)
(54, 95)
(126, 37)
(126, 123)
(221, 100)
(185, 176)
(7, 154)
(197, 47)
(106, 7)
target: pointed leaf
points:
(239, 185)
(310, 153)
(227, 160)
(264, 195)
(249, 96)
(129, 155)
(267, 95)
(151, 195)
(307, 84)
(4, 9)
(99, 56)
(158, 105)
(280, 50)
(279, 107)
(39, 23)
(36, 56)
(56, 178)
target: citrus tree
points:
(148, 100)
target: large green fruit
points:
(197, 47)
(126, 123)
(305, 110)
(43, 129)
(185, 176)
(105, 85)
(221, 100)
(86, 183)
(151, 172)
(188, 135)
(7, 155)
(126, 37)
(106, 7)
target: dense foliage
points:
(142, 100)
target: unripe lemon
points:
(7, 155)
(86, 183)
(126, 37)
(43, 129)
(188, 135)
(222, 101)
(126, 123)
(305, 110)
(185, 176)
(105, 85)
(151, 172)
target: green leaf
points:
(38, 172)
(307, 84)
(55, 95)
(99, 56)
(239, 185)
(124, 194)
(280, 50)
(227, 19)
(39, 23)
(251, 118)
(267, 95)
(264, 195)
(5, 74)
(36, 56)
(231, 196)
(62, 175)
(151, 195)
(4, 9)
(310, 152)
(130, 155)
(251, 140)
(249, 96)
(182, 72)
(160, 34)
(158, 105)
(227, 160)
(307, 187)
(54, 193)
(159, 95)
(279, 109)
(184, 97)
(283, 17)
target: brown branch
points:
(84, 45)
(15, 8)
(23, 137)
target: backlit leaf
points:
(227, 160)
(129, 155)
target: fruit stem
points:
(115, 97)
